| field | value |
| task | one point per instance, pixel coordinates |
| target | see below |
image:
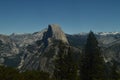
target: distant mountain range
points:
(36, 51)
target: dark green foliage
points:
(8, 73)
(114, 74)
(35, 75)
(59, 64)
(65, 67)
(71, 66)
(92, 66)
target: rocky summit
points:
(57, 33)
(40, 54)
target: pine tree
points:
(71, 66)
(92, 65)
(65, 67)
(59, 63)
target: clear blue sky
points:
(74, 16)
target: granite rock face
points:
(55, 32)
(40, 54)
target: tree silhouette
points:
(92, 65)
(65, 66)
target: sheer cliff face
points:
(40, 54)
(56, 33)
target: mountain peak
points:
(56, 32)
(53, 26)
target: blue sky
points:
(74, 16)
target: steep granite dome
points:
(40, 54)
(56, 33)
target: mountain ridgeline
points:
(37, 51)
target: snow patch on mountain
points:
(107, 33)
